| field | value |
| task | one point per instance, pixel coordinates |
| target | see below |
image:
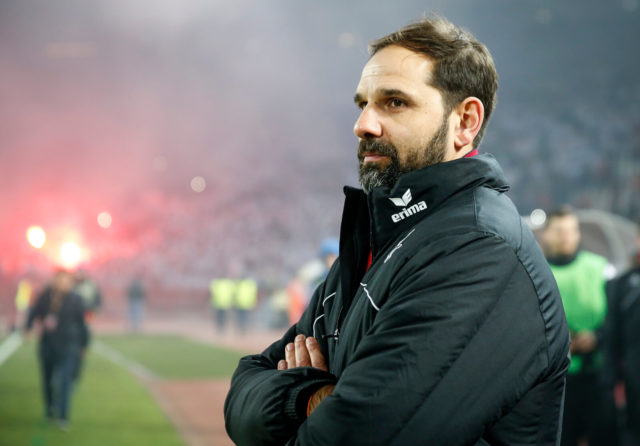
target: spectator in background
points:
(22, 301)
(136, 296)
(297, 298)
(88, 289)
(622, 343)
(329, 251)
(222, 292)
(309, 277)
(581, 278)
(246, 299)
(63, 339)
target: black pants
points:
(588, 412)
(59, 366)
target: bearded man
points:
(440, 323)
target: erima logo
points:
(407, 211)
(404, 200)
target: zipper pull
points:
(335, 335)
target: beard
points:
(372, 175)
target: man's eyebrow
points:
(386, 92)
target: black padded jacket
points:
(455, 335)
(71, 328)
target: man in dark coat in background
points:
(622, 343)
(63, 339)
(440, 323)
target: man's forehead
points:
(396, 64)
(564, 221)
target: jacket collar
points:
(393, 211)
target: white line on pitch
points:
(118, 358)
(9, 346)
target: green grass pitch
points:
(173, 357)
(110, 406)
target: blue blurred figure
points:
(137, 296)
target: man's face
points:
(562, 235)
(402, 126)
(63, 281)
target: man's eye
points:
(362, 105)
(396, 103)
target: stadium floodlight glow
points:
(36, 236)
(70, 254)
(104, 219)
(538, 217)
(198, 184)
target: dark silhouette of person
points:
(63, 339)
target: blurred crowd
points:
(586, 154)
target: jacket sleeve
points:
(38, 310)
(264, 406)
(458, 340)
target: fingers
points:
(317, 358)
(290, 355)
(302, 354)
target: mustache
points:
(376, 147)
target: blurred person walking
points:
(64, 337)
(440, 323)
(222, 295)
(589, 411)
(622, 344)
(136, 296)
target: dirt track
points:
(195, 406)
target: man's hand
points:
(583, 342)
(318, 396)
(303, 352)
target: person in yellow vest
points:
(23, 301)
(589, 412)
(222, 293)
(246, 301)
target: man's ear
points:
(469, 115)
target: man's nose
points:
(368, 125)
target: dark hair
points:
(563, 211)
(463, 66)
